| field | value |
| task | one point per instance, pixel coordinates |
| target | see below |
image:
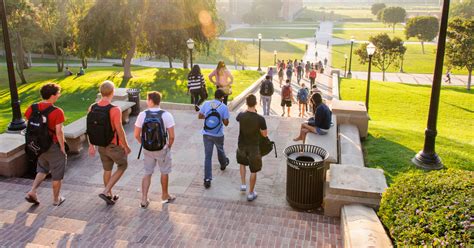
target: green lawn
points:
(415, 61)
(79, 92)
(398, 115)
(53, 61)
(365, 25)
(363, 35)
(272, 33)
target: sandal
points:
(144, 206)
(61, 200)
(30, 199)
(107, 199)
(114, 197)
(169, 200)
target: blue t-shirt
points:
(221, 109)
(323, 116)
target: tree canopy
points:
(377, 7)
(425, 28)
(263, 11)
(460, 45)
(393, 15)
(463, 9)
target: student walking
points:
(448, 77)
(325, 62)
(302, 97)
(197, 87)
(154, 130)
(289, 72)
(299, 72)
(286, 97)
(105, 130)
(280, 75)
(223, 79)
(251, 127)
(216, 115)
(307, 68)
(266, 92)
(312, 77)
(270, 73)
(45, 123)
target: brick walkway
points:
(217, 217)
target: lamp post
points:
(190, 44)
(17, 123)
(427, 158)
(275, 57)
(401, 62)
(259, 50)
(349, 74)
(235, 53)
(345, 65)
(370, 51)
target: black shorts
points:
(286, 102)
(250, 156)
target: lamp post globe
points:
(370, 51)
(349, 74)
(259, 51)
(190, 44)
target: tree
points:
(393, 15)
(460, 46)
(77, 9)
(377, 7)
(236, 50)
(463, 9)
(388, 52)
(263, 11)
(425, 28)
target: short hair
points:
(219, 94)
(267, 77)
(287, 80)
(155, 97)
(48, 90)
(251, 100)
(107, 88)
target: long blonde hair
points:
(220, 67)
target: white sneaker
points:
(252, 196)
(243, 187)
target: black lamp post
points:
(275, 57)
(345, 65)
(17, 123)
(427, 158)
(190, 44)
(259, 50)
(370, 51)
(349, 74)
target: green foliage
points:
(460, 45)
(236, 50)
(377, 7)
(263, 11)
(431, 209)
(463, 9)
(425, 28)
(388, 51)
(393, 15)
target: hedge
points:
(430, 209)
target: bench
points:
(360, 227)
(120, 94)
(352, 112)
(75, 133)
(350, 146)
(13, 161)
(328, 142)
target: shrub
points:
(430, 209)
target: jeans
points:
(209, 142)
(312, 80)
(267, 100)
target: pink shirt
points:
(222, 80)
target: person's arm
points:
(264, 133)
(226, 116)
(229, 75)
(60, 136)
(170, 137)
(212, 75)
(263, 127)
(117, 123)
(226, 122)
(137, 133)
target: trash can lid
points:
(305, 157)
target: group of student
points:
(154, 131)
(68, 72)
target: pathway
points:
(408, 78)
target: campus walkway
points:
(215, 217)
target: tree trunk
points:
(170, 61)
(127, 63)
(423, 47)
(469, 78)
(20, 61)
(84, 63)
(55, 52)
(383, 75)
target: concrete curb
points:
(238, 100)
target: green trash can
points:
(305, 176)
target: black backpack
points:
(266, 146)
(99, 125)
(213, 121)
(154, 134)
(37, 137)
(266, 89)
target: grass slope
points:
(79, 92)
(398, 115)
(271, 33)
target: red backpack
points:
(286, 92)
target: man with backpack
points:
(45, 141)
(154, 130)
(307, 68)
(216, 115)
(286, 97)
(252, 126)
(289, 71)
(299, 72)
(302, 97)
(266, 92)
(105, 130)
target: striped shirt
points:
(195, 82)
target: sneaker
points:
(227, 161)
(252, 196)
(243, 187)
(283, 114)
(207, 183)
(196, 107)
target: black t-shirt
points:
(250, 125)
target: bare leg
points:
(164, 187)
(146, 181)
(56, 189)
(113, 180)
(106, 178)
(242, 174)
(253, 180)
(289, 111)
(38, 180)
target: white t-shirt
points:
(168, 120)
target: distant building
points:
(233, 10)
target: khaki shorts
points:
(52, 161)
(161, 158)
(113, 154)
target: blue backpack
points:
(303, 94)
(213, 121)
